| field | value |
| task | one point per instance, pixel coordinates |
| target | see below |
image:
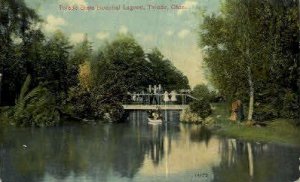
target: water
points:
(138, 152)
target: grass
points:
(281, 131)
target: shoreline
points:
(279, 131)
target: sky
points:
(172, 31)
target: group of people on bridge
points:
(154, 95)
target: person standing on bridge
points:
(155, 89)
(166, 97)
(160, 91)
(150, 94)
(134, 97)
(173, 96)
(143, 97)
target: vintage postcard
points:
(149, 91)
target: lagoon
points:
(138, 152)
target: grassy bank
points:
(278, 131)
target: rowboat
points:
(154, 121)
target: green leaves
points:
(35, 107)
(129, 68)
(201, 108)
(201, 92)
(261, 35)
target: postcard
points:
(149, 90)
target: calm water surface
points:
(137, 152)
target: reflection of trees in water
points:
(245, 161)
(156, 138)
(156, 144)
(97, 151)
(200, 133)
(93, 151)
(71, 150)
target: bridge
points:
(148, 101)
(152, 107)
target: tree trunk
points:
(251, 94)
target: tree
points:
(82, 52)
(129, 69)
(165, 73)
(246, 49)
(123, 62)
(17, 30)
(85, 75)
(52, 67)
(127, 58)
(201, 92)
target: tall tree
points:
(123, 61)
(17, 30)
(245, 44)
(51, 68)
(165, 73)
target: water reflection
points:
(136, 151)
(246, 161)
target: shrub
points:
(89, 104)
(79, 103)
(35, 108)
(290, 107)
(264, 112)
(113, 112)
(202, 108)
(187, 116)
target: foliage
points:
(79, 103)
(277, 130)
(258, 41)
(265, 112)
(35, 108)
(291, 106)
(187, 116)
(52, 67)
(82, 52)
(126, 61)
(123, 62)
(17, 35)
(202, 92)
(113, 112)
(84, 75)
(165, 73)
(88, 104)
(70, 78)
(202, 108)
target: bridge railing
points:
(158, 99)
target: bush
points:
(78, 103)
(202, 108)
(85, 104)
(264, 112)
(290, 107)
(286, 107)
(187, 116)
(113, 112)
(35, 108)
(201, 92)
